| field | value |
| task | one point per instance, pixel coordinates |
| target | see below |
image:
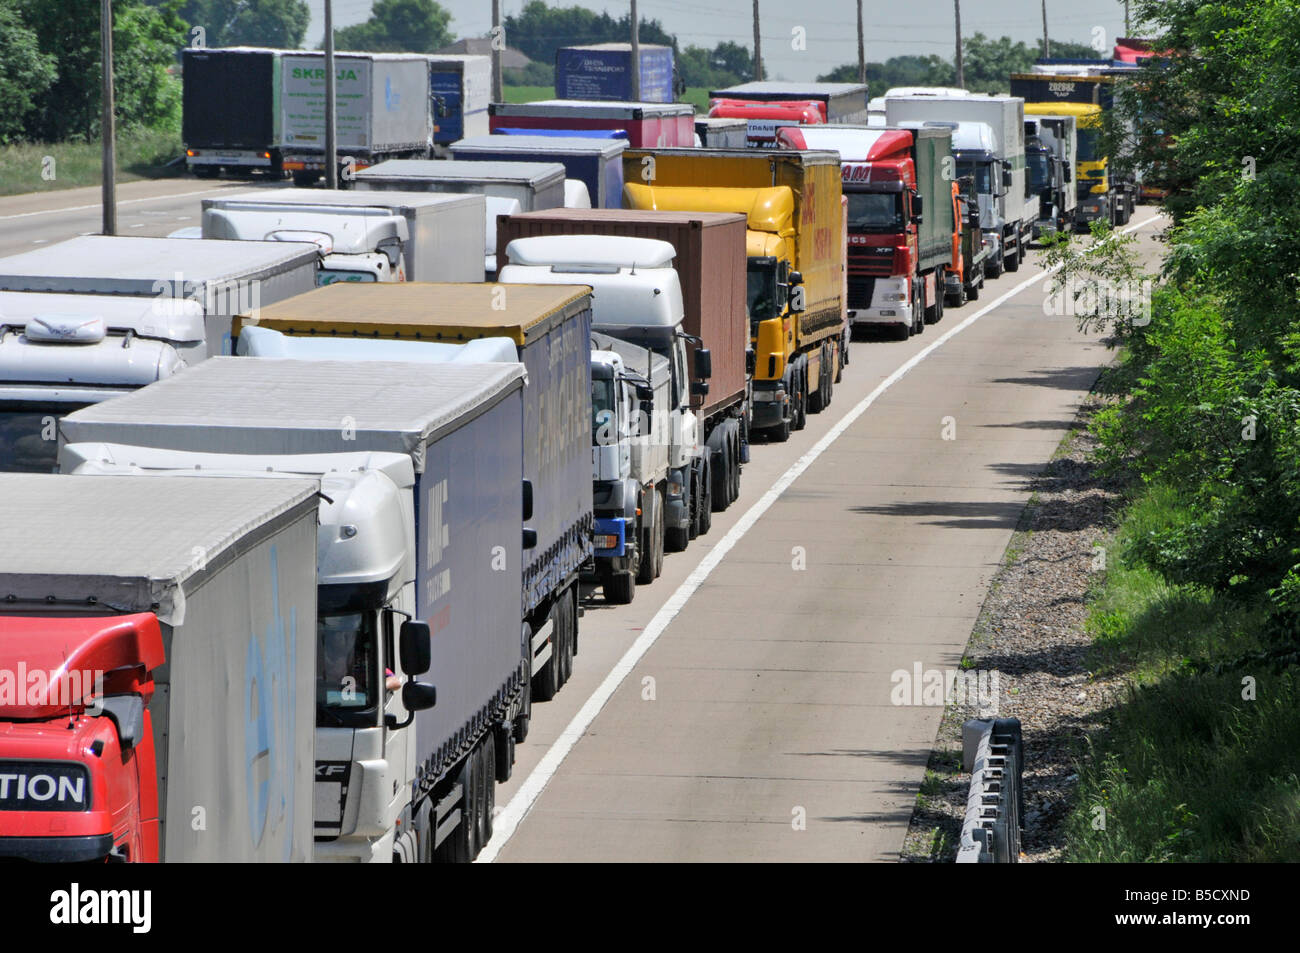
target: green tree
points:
(276, 23)
(539, 30)
(725, 65)
(398, 26)
(145, 41)
(25, 72)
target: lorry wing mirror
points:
(647, 414)
(530, 538)
(415, 647)
(918, 207)
(1006, 175)
(644, 393)
(127, 712)
(699, 388)
(796, 278)
(528, 499)
(751, 361)
(417, 696)
(704, 363)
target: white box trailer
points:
(225, 278)
(1005, 118)
(441, 231)
(382, 109)
(382, 791)
(194, 601)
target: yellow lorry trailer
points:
(794, 260)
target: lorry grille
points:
(860, 289)
(877, 262)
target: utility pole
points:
(331, 131)
(498, 41)
(1047, 44)
(862, 56)
(635, 65)
(108, 177)
(758, 47)
(961, 74)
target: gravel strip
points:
(1031, 631)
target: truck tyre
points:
(305, 179)
(662, 505)
(620, 589)
(706, 500)
(720, 492)
(564, 620)
(460, 847)
(1012, 262)
(652, 530)
(206, 171)
(489, 784)
(994, 267)
(817, 399)
(739, 456)
(780, 433)
(843, 357)
(547, 682)
(801, 406)
(935, 311)
(522, 720)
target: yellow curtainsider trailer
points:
(794, 260)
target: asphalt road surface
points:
(740, 708)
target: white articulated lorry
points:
(988, 142)
(548, 330)
(364, 236)
(638, 298)
(92, 318)
(422, 539)
(173, 624)
(631, 388)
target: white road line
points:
(508, 821)
(82, 208)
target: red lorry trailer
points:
(901, 225)
(764, 119)
(710, 263)
(157, 668)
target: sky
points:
(830, 26)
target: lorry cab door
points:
(398, 750)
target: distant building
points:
(482, 46)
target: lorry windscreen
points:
(981, 173)
(347, 669)
(762, 291)
(1087, 144)
(603, 420)
(1040, 171)
(875, 211)
(28, 439)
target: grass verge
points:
(48, 167)
(1201, 760)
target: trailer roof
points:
(590, 108)
(455, 170)
(130, 544)
(633, 216)
(559, 145)
(267, 405)
(426, 311)
(777, 88)
(347, 198)
(127, 265)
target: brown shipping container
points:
(710, 263)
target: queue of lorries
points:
(293, 557)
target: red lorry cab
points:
(78, 774)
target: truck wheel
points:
(662, 506)
(994, 268)
(207, 171)
(817, 399)
(620, 588)
(973, 292)
(801, 406)
(522, 720)
(844, 356)
(653, 529)
(1012, 262)
(547, 682)
(780, 433)
(460, 847)
(720, 492)
(706, 500)
(305, 179)
(931, 312)
(735, 468)
(489, 784)
(564, 619)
